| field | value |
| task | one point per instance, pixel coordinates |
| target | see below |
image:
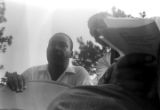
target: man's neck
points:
(56, 70)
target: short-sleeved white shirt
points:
(73, 76)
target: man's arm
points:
(83, 76)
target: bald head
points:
(97, 26)
(96, 19)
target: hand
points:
(15, 82)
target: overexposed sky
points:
(130, 6)
(33, 22)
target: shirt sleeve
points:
(83, 76)
(27, 74)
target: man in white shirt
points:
(59, 52)
(72, 76)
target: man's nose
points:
(57, 47)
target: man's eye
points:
(64, 46)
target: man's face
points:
(97, 36)
(97, 27)
(59, 50)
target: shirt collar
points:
(69, 71)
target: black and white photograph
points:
(79, 55)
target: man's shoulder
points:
(86, 95)
(40, 67)
(77, 69)
(37, 68)
(108, 96)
